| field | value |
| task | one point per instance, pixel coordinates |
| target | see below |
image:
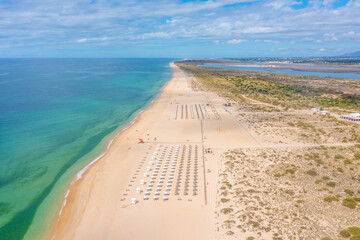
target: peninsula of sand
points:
(194, 166)
(164, 188)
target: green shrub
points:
(226, 210)
(340, 170)
(319, 161)
(345, 233)
(254, 224)
(325, 178)
(312, 172)
(291, 171)
(348, 191)
(349, 203)
(347, 161)
(338, 156)
(354, 232)
(331, 184)
(331, 198)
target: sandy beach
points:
(261, 165)
(175, 131)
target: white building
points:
(351, 117)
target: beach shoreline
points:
(200, 158)
(115, 197)
(74, 185)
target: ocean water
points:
(350, 75)
(56, 115)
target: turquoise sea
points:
(56, 116)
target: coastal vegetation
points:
(287, 192)
(285, 91)
(276, 198)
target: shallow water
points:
(55, 115)
(350, 75)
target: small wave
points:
(11, 81)
(82, 171)
(64, 203)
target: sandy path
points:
(99, 205)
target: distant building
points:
(351, 117)
(324, 113)
(314, 110)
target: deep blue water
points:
(351, 75)
(53, 113)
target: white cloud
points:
(312, 40)
(255, 30)
(307, 40)
(156, 35)
(331, 39)
(35, 22)
(237, 41)
(277, 4)
(353, 3)
(272, 41)
(352, 36)
(82, 40)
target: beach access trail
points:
(170, 177)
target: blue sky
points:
(179, 29)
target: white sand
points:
(99, 205)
